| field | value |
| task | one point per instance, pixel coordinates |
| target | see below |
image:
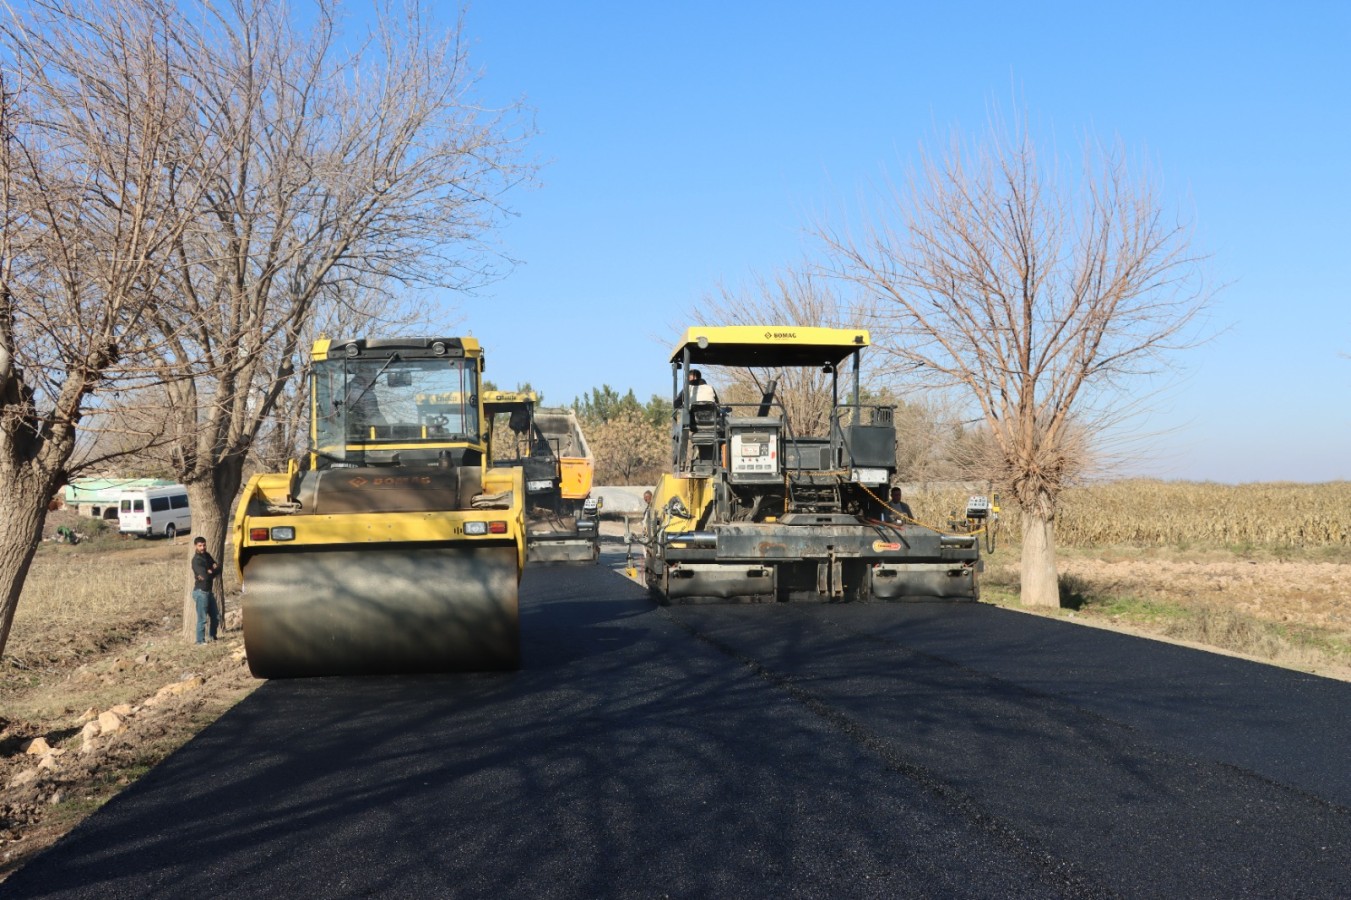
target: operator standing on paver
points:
(897, 509)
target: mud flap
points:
(381, 610)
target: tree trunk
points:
(210, 500)
(23, 512)
(1040, 582)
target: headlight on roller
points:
(279, 533)
(475, 528)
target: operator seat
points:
(704, 431)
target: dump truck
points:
(758, 507)
(391, 545)
(562, 519)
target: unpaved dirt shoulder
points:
(1310, 593)
(1292, 613)
(1322, 668)
(81, 738)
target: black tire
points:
(170, 531)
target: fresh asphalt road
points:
(862, 750)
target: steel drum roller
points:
(381, 609)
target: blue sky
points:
(689, 145)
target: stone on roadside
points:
(38, 746)
(88, 734)
(90, 715)
(110, 722)
(47, 762)
(190, 683)
(122, 709)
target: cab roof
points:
(501, 401)
(757, 346)
(409, 347)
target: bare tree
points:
(931, 443)
(628, 448)
(343, 173)
(136, 427)
(124, 428)
(1043, 304)
(794, 296)
(212, 176)
(800, 296)
(85, 118)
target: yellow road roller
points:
(392, 545)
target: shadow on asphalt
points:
(866, 750)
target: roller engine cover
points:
(381, 489)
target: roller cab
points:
(390, 547)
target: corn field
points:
(1148, 513)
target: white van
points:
(146, 512)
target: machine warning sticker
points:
(883, 546)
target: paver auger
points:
(391, 546)
(756, 510)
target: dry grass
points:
(1263, 570)
(83, 601)
(1290, 612)
(80, 601)
(1180, 515)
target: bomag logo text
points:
(781, 335)
(400, 481)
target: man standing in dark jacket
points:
(204, 571)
